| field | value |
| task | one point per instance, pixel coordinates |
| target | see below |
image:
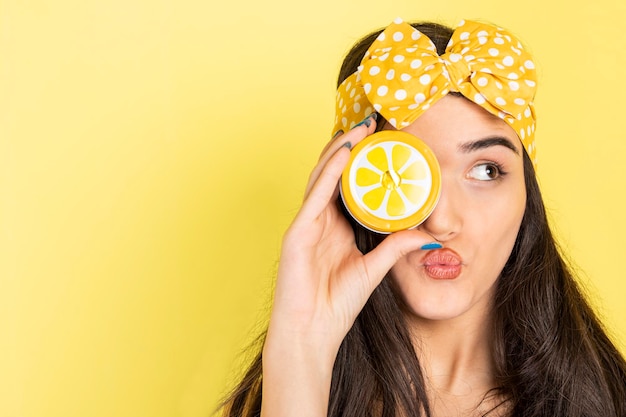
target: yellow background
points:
(153, 152)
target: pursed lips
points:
(442, 264)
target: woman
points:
(472, 313)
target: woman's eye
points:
(485, 172)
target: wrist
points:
(297, 377)
(309, 349)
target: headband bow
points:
(401, 76)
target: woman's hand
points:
(323, 283)
(323, 279)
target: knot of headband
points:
(401, 76)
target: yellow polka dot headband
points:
(401, 76)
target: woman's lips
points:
(442, 264)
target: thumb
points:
(395, 246)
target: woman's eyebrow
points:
(488, 142)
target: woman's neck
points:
(456, 356)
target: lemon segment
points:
(378, 158)
(373, 199)
(400, 155)
(395, 205)
(413, 193)
(415, 171)
(392, 182)
(366, 177)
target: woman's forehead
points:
(459, 120)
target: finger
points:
(339, 138)
(354, 136)
(337, 135)
(323, 189)
(394, 247)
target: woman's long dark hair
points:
(552, 355)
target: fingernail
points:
(367, 121)
(337, 133)
(347, 145)
(433, 245)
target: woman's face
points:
(482, 203)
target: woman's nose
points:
(446, 221)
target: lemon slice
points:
(392, 182)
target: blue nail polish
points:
(347, 145)
(433, 245)
(367, 121)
